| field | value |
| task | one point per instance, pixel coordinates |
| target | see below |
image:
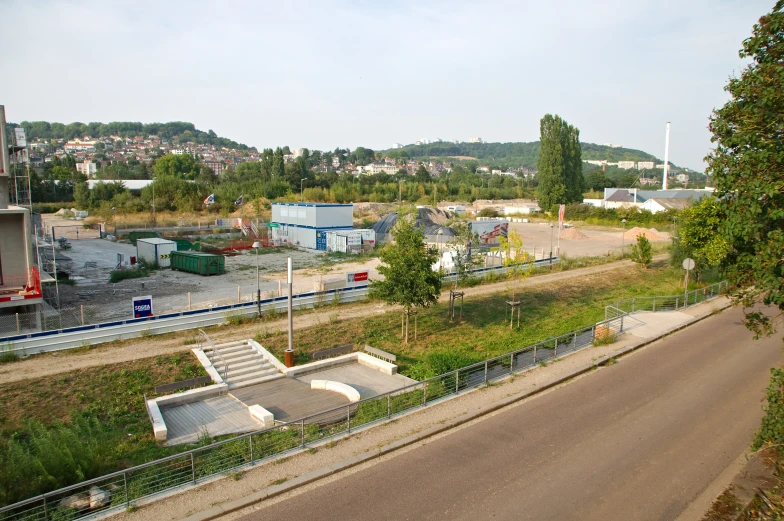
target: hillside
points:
(180, 131)
(514, 154)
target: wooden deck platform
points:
(219, 415)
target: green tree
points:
(642, 252)
(699, 235)
(746, 165)
(409, 279)
(182, 166)
(560, 163)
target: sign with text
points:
(19, 134)
(357, 277)
(142, 306)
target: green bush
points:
(772, 429)
(437, 363)
(136, 273)
(642, 253)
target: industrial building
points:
(306, 224)
(20, 280)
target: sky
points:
(371, 73)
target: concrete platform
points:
(369, 382)
(219, 415)
(288, 398)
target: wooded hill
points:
(180, 131)
(513, 155)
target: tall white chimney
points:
(666, 157)
(4, 162)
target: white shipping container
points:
(155, 250)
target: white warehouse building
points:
(306, 224)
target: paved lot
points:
(636, 441)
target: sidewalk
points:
(231, 498)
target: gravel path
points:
(134, 349)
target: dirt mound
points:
(573, 234)
(651, 235)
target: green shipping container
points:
(198, 262)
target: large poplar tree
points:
(747, 166)
(559, 164)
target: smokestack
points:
(666, 157)
(4, 162)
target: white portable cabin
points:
(154, 250)
(351, 241)
(307, 224)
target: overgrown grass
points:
(7, 354)
(547, 310)
(58, 430)
(120, 275)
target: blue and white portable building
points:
(306, 224)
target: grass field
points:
(547, 310)
(55, 431)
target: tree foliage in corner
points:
(747, 166)
(409, 279)
(560, 163)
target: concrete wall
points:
(14, 237)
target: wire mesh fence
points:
(120, 489)
(667, 303)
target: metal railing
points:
(19, 329)
(215, 353)
(669, 302)
(120, 489)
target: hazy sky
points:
(372, 73)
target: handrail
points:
(215, 351)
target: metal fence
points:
(120, 489)
(50, 319)
(666, 303)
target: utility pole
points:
(666, 156)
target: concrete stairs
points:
(246, 366)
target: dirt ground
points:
(90, 261)
(600, 241)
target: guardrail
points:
(70, 337)
(56, 340)
(120, 489)
(669, 302)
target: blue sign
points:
(142, 306)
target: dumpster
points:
(198, 262)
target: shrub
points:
(772, 429)
(120, 275)
(642, 252)
(488, 212)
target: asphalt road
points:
(637, 440)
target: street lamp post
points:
(153, 201)
(552, 227)
(300, 188)
(257, 245)
(438, 239)
(114, 210)
(623, 240)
